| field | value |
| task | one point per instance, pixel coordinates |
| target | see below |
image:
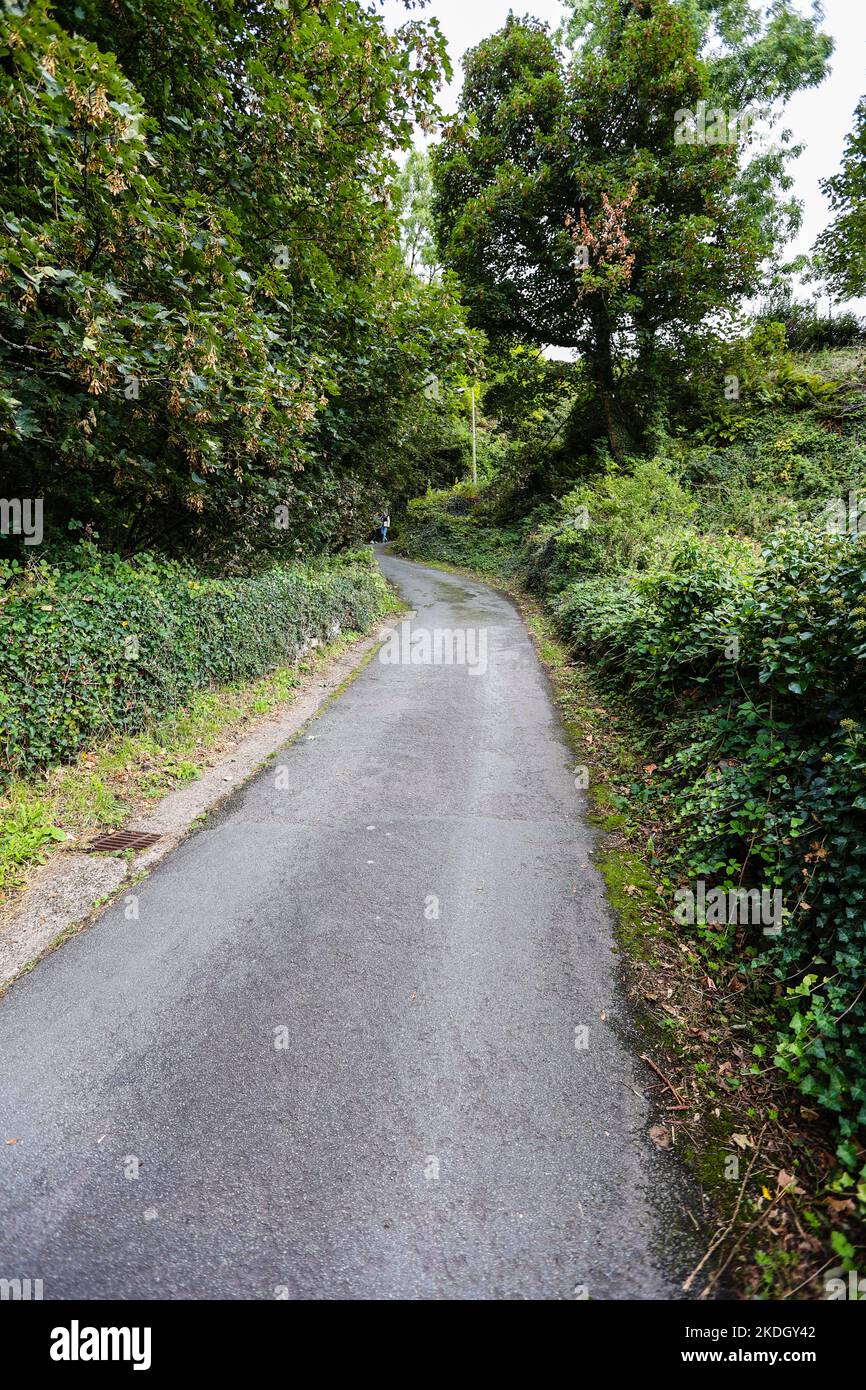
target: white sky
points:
(819, 119)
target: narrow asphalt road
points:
(337, 1046)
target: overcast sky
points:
(820, 119)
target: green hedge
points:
(765, 782)
(442, 526)
(104, 645)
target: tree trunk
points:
(618, 434)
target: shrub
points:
(459, 500)
(603, 616)
(758, 802)
(448, 525)
(618, 522)
(664, 630)
(780, 468)
(805, 625)
(765, 782)
(107, 644)
(806, 328)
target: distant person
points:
(386, 522)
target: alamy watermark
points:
(845, 517)
(22, 516)
(718, 907)
(713, 125)
(21, 1290)
(408, 646)
(77, 1343)
(837, 1286)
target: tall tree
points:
(414, 185)
(583, 206)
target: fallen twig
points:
(669, 1084)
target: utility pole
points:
(474, 455)
(460, 392)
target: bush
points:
(603, 616)
(806, 328)
(663, 632)
(448, 525)
(761, 802)
(107, 644)
(459, 500)
(781, 467)
(618, 522)
(751, 671)
(805, 626)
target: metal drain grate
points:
(123, 839)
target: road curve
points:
(337, 1046)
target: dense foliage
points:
(209, 342)
(751, 667)
(442, 525)
(807, 329)
(101, 645)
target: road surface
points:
(334, 1055)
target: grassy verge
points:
(109, 783)
(782, 1219)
